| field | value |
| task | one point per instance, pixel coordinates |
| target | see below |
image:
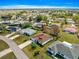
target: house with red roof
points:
(42, 39)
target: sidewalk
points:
(10, 34)
(4, 52)
(21, 46)
(13, 37)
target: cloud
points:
(31, 6)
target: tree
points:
(44, 28)
(30, 18)
(36, 53)
(65, 21)
(39, 18)
(45, 19)
(76, 18)
(23, 12)
(33, 45)
(42, 18)
(6, 17)
(56, 31)
(78, 35)
(26, 25)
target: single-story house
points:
(7, 22)
(61, 19)
(38, 24)
(42, 38)
(70, 28)
(28, 31)
(64, 49)
(12, 28)
(50, 20)
(70, 21)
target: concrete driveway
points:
(17, 51)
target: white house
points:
(28, 31)
(70, 21)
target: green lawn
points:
(9, 56)
(24, 38)
(4, 32)
(21, 39)
(71, 38)
(43, 55)
(3, 45)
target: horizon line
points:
(33, 6)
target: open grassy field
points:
(9, 56)
(42, 51)
(3, 45)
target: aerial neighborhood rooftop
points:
(39, 34)
(42, 38)
(64, 49)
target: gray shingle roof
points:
(59, 47)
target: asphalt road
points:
(16, 50)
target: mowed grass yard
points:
(21, 39)
(71, 38)
(5, 32)
(24, 38)
(42, 50)
(3, 45)
(9, 56)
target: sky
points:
(39, 3)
